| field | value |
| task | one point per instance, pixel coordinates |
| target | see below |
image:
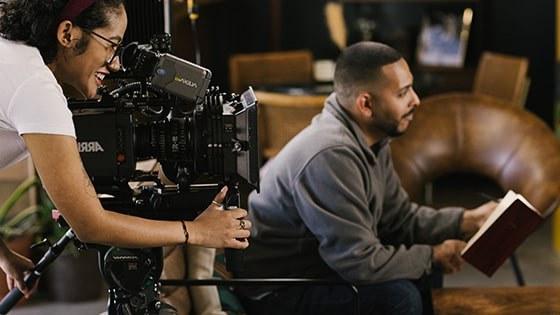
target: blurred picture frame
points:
(443, 39)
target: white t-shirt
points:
(31, 100)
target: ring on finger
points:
(242, 224)
(221, 205)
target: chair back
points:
(271, 68)
(466, 133)
(503, 77)
(282, 116)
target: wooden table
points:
(503, 301)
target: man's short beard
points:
(389, 128)
(393, 131)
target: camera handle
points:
(11, 299)
(234, 257)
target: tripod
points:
(10, 300)
(133, 279)
(132, 276)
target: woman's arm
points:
(61, 170)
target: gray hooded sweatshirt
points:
(330, 206)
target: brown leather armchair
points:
(466, 133)
(480, 135)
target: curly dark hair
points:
(34, 22)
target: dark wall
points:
(526, 28)
(304, 27)
(224, 28)
(517, 27)
(145, 18)
(396, 23)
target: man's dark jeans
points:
(393, 297)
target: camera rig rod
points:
(11, 299)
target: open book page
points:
(504, 204)
(527, 203)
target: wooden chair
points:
(271, 68)
(282, 116)
(503, 77)
(481, 135)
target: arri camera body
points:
(160, 107)
(163, 110)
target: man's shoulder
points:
(321, 136)
(310, 144)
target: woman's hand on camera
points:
(218, 228)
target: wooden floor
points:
(503, 301)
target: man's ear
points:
(67, 34)
(364, 104)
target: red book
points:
(513, 220)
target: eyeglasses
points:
(116, 47)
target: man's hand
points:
(474, 218)
(15, 266)
(448, 255)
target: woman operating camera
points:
(46, 44)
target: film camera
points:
(168, 113)
(161, 108)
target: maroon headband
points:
(74, 8)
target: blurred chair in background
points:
(270, 68)
(282, 116)
(502, 76)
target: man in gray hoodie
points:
(332, 206)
